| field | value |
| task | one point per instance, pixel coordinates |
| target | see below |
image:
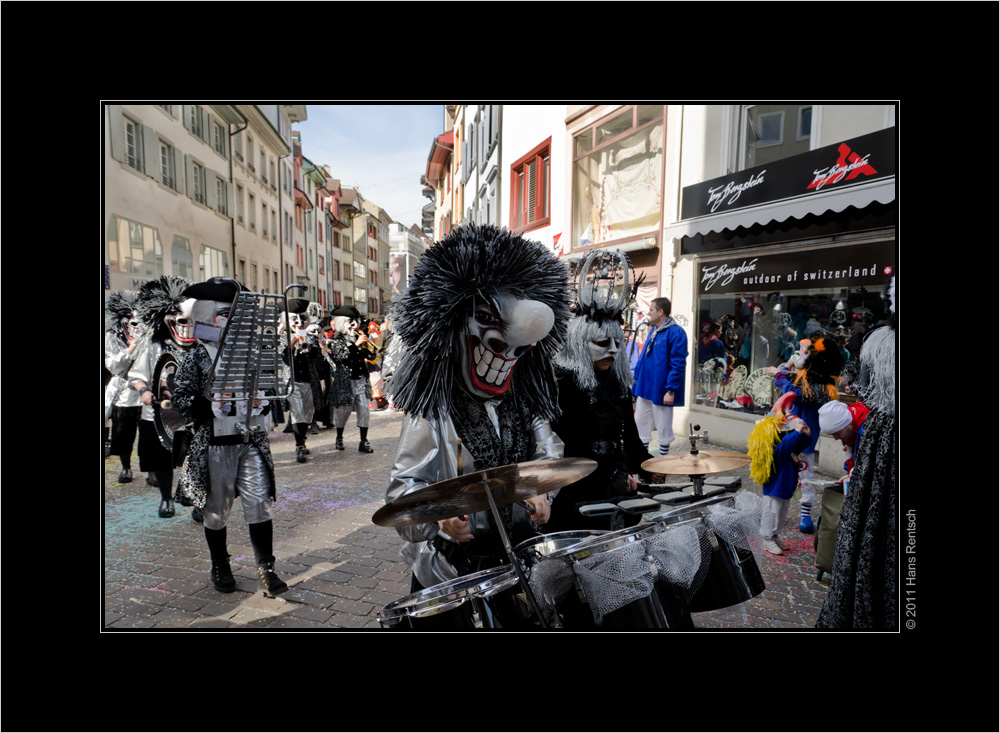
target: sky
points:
(379, 149)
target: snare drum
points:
(616, 581)
(733, 575)
(478, 601)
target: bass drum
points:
(169, 423)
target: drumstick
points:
(526, 505)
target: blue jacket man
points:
(659, 376)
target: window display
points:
(618, 176)
(753, 312)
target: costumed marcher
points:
(595, 400)
(846, 423)
(303, 360)
(220, 464)
(659, 376)
(122, 406)
(811, 373)
(165, 313)
(863, 592)
(773, 446)
(484, 313)
(348, 350)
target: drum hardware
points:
(486, 489)
(733, 575)
(590, 559)
(695, 463)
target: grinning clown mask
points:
(499, 334)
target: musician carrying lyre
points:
(222, 464)
(484, 312)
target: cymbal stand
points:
(506, 544)
(697, 480)
(513, 558)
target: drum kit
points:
(699, 555)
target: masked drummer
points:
(483, 315)
(220, 464)
(163, 312)
(595, 401)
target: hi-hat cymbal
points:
(696, 464)
(466, 494)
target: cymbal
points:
(466, 494)
(696, 464)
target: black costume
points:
(596, 423)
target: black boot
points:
(125, 477)
(197, 515)
(222, 575)
(364, 445)
(340, 439)
(166, 508)
(313, 428)
(269, 583)
(300, 453)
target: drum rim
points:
(526, 547)
(451, 594)
(608, 541)
(695, 508)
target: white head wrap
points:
(834, 416)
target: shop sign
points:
(859, 160)
(832, 267)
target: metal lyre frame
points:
(249, 358)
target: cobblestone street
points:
(341, 568)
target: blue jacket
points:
(662, 365)
(785, 478)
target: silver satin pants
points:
(230, 466)
(359, 405)
(300, 402)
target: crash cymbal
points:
(466, 494)
(696, 464)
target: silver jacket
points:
(427, 454)
(118, 360)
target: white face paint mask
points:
(497, 338)
(345, 327)
(210, 318)
(182, 324)
(604, 349)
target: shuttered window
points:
(530, 184)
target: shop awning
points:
(881, 192)
(855, 173)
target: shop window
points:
(618, 176)
(766, 135)
(753, 312)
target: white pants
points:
(661, 417)
(773, 513)
(806, 475)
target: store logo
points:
(712, 275)
(731, 191)
(849, 165)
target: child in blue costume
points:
(811, 374)
(773, 446)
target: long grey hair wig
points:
(576, 358)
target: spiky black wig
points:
(157, 299)
(118, 308)
(474, 264)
